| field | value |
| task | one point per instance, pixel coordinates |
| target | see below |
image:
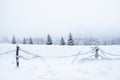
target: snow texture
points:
(59, 68)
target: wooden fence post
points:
(96, 52)
(17, 56)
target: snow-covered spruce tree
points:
(70, 40)
(30, 41)
(62, 41)
(24, 41)
(13, 40)
(49, 40)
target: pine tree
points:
(49, 40)
(62, 41)
(24, 41)
(13, 40)
(70, 40)
(30, 41)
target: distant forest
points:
(61, 41)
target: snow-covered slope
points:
(55, 63)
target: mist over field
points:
(37, 18)
(59, 39)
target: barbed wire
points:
(75, 58)
(7, 52)
(59, 56)
(28, 52)
(47, 56)
(37, 56)
(85, 52)
(33, 58)
(75, 55)
(23, 57)
(104, 53)
(45, 62)
(94, 50)
(103, 57)
(107, 58)
(108, 53)
(88, 57)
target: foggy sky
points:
(99, 18)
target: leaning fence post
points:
(96, 52)
(17, 56)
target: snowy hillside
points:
(55, 63)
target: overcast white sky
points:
(59, 17)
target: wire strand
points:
(108, 53)
(7, 52)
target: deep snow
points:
(59, 68)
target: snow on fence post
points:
(17, 56)
(96, 52)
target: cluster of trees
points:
(48, 42)
(69, 41)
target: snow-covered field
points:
(56, 63)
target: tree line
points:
(69, 41)
(49, 40)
